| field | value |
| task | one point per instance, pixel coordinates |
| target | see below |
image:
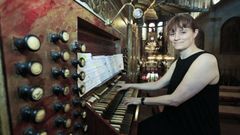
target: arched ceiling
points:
(162, 9)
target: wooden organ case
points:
(45, 83)
(106, 115)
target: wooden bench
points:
(230, 97)
(232, 111)
(225, 88)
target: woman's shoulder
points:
(206, 56)
(206, 59)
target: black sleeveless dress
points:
(196, 116)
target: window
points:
(230, 36)
(151, 27)
(144, 32)
(215, 1)
(160, 30)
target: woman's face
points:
(182, 38)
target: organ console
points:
(55, 87)
(106, 104)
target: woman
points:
(191, 103)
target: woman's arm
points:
(152, 85)
(203, 71)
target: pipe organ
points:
(60, 85)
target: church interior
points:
(60, 61)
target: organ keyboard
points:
(106, 105)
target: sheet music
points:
(100, 68)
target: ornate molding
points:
(103, 9)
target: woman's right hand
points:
(123, 86)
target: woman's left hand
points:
(132, 101)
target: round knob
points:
(78, 102)
(31, 114)
(63, 36)
(64, 55)
(43, 133)
(81, 76)
(80, 89)
(65, 73)
(60, 106)
(30, 42)
(60, 133)
(35, 68)
(75, 76)
(33, 93)
(32, 67)
(67, 108)
(58, 90)
(77, 113)
(60, 121)
(83, 103)
(31, 131)
(79, 125)
(78, 47)
(82, 62)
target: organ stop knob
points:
(81, 62)
(65, 73)
(30, 42)
(60, 106)
(80, 89)
(77, 113)
(81, 76)
(32, 67)
(61, 121)
(79, 125)
(28, 92)
(32, 114)
(64, 55)
(78, 47)
(63, 36)
(31, 131)
(58, 90)
(79, 102)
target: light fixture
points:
(137, 13)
